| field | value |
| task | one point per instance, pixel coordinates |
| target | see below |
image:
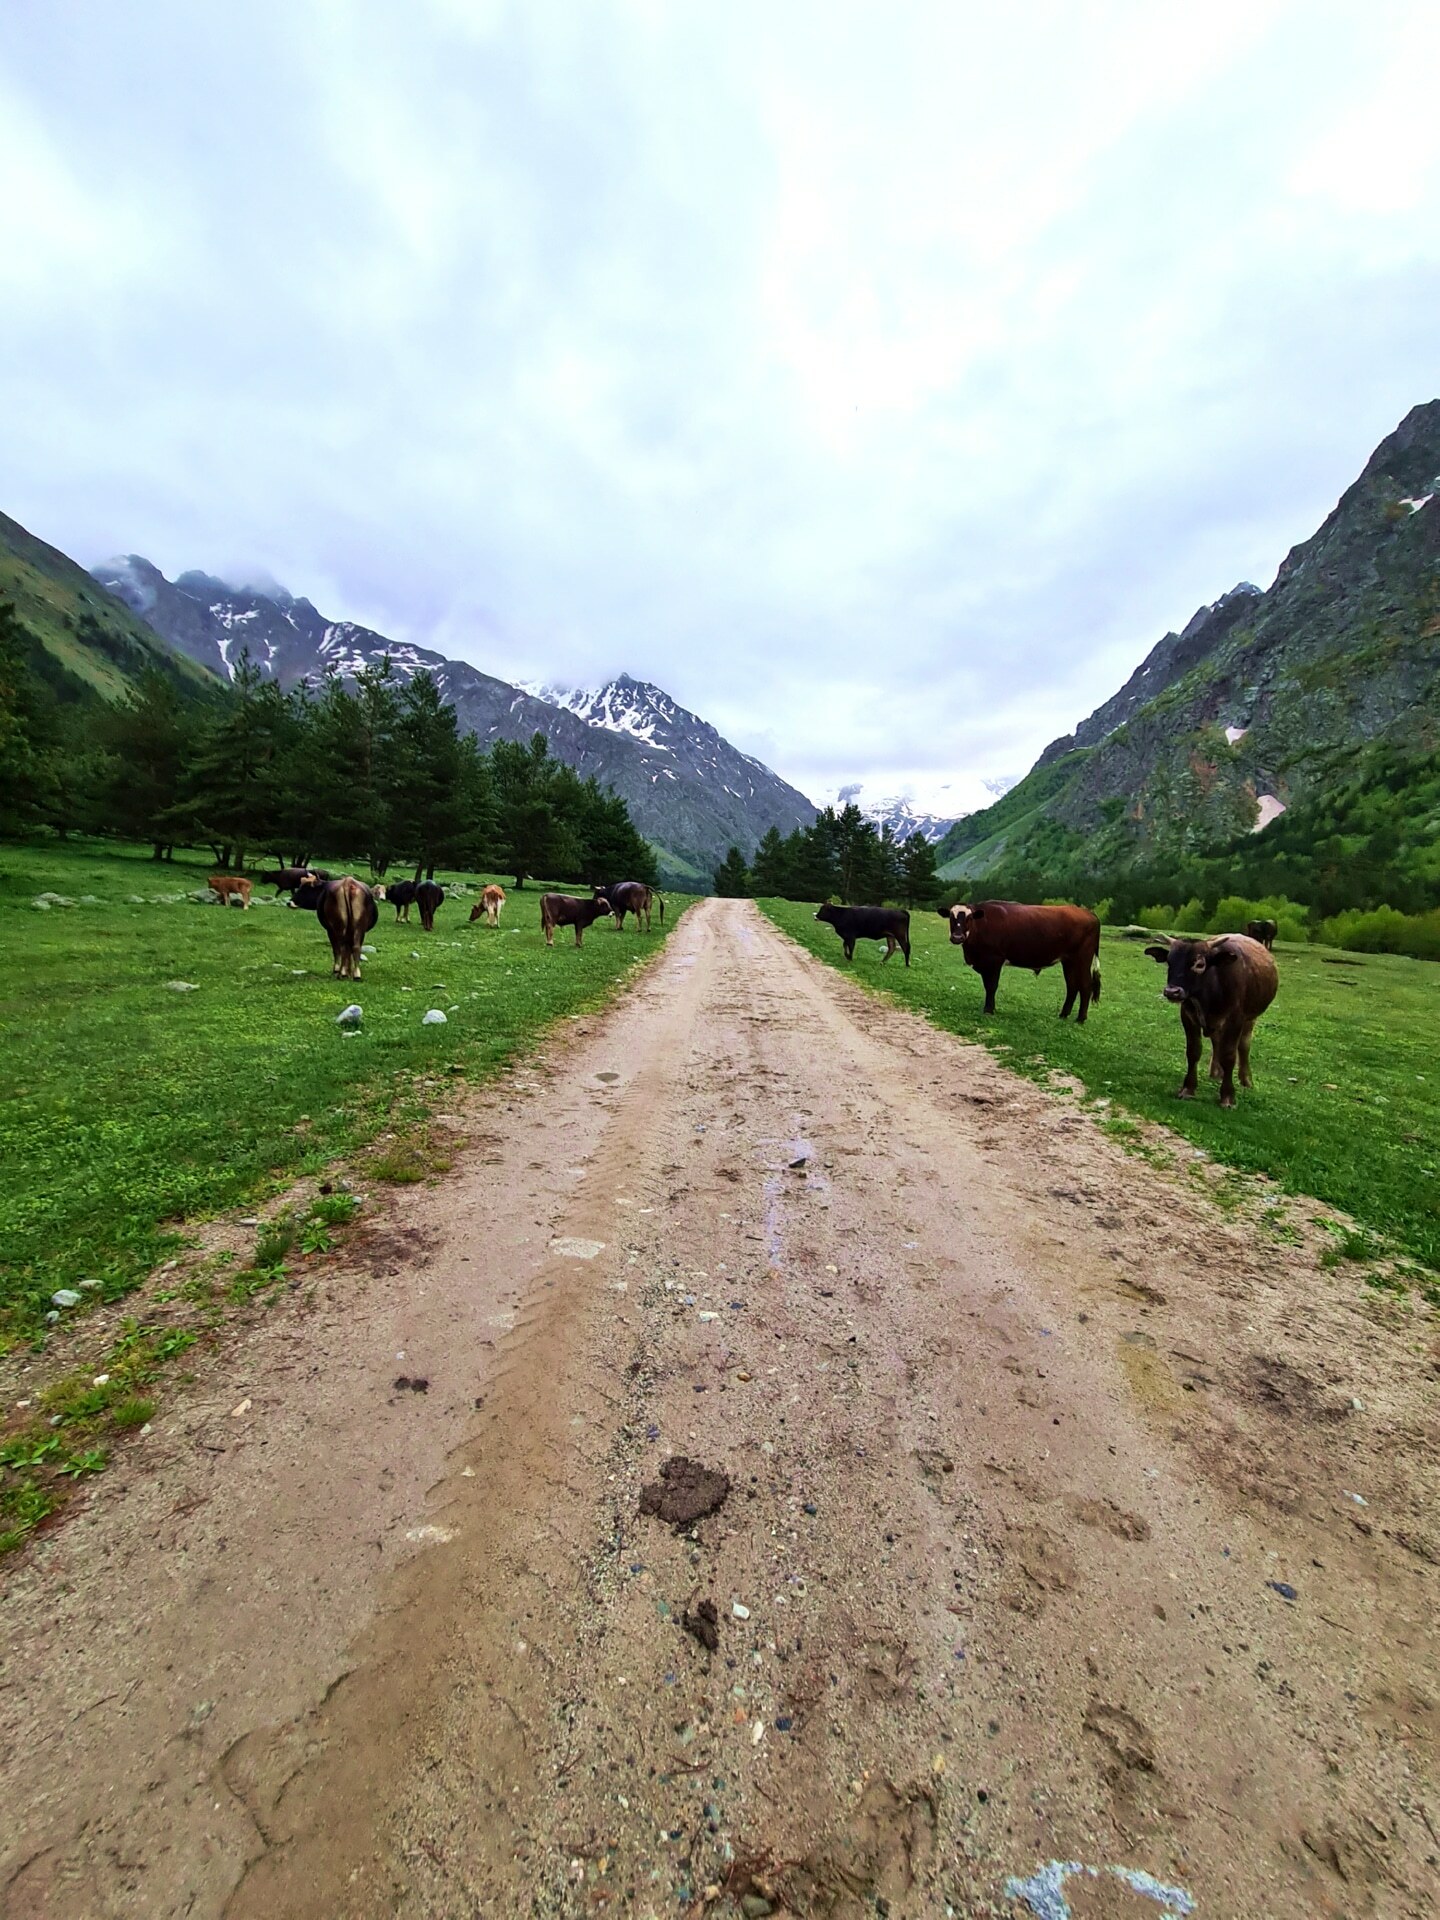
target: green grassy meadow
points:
(129, 1108)
(1346, 1105)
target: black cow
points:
(1262, 930)
(564, 910)
(890, 924)
(632, 896)
(1221, 986)
(347, 911)
(429, 898)
(401, 895)
(286, 879)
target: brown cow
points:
(564, 910)
(347, 911)
(489, 903)
(230, 886)
(997, 933)
(1221, 986)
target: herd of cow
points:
(1221, 984)
(347, 908)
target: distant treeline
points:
(839, 853)
(373, 769)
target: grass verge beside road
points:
(164, 1061)
(1346, 1105)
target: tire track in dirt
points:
(1019, 1434)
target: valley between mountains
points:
(1069, 1526)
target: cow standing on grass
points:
(890, 924)
(286, 879)
(489, 903)
(1262, 930)
(347, 911)
(230, 886)
(632, 896)
(1000, 933)
(564, 910)
(1221, 986)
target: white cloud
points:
(883, 381)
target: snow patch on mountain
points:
(898, 812)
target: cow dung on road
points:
(685, 1492)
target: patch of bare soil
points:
(1066, 1519)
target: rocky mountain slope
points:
(689, 791)
(90, 645)
(1264, 699)
(739, 789)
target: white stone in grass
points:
(351, 1017)
(434, 1018)
(414, 956)
(183, 986)
(368, 952)
(66, 1297)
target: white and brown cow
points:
(491, 900)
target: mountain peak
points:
(689, 791)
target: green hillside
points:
(89, 644)
(1297, 694)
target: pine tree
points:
(732, 876)
(228, 795)
(428, 805)
(919, 880)
(770, 872)
(147, 738)
(29, 787)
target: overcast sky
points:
(882, 380)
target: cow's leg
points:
(579, 934)
(1072, 987)
(1194, 1046)
(991, 976)
(889, 948)
(549, 933)
(849, 946)
(1243, 1050)
(1226, 1049)
(905, 949)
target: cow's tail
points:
(1095, 982)
(661, 898)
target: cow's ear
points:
(1158, 953)
(1222, 951)
(977, 913)
(944, 912)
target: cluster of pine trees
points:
(841, 854)
(373, 769)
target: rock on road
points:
(1028, 1448)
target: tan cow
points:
(230, 886)
(489, 903)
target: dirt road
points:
(1042, 1543)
